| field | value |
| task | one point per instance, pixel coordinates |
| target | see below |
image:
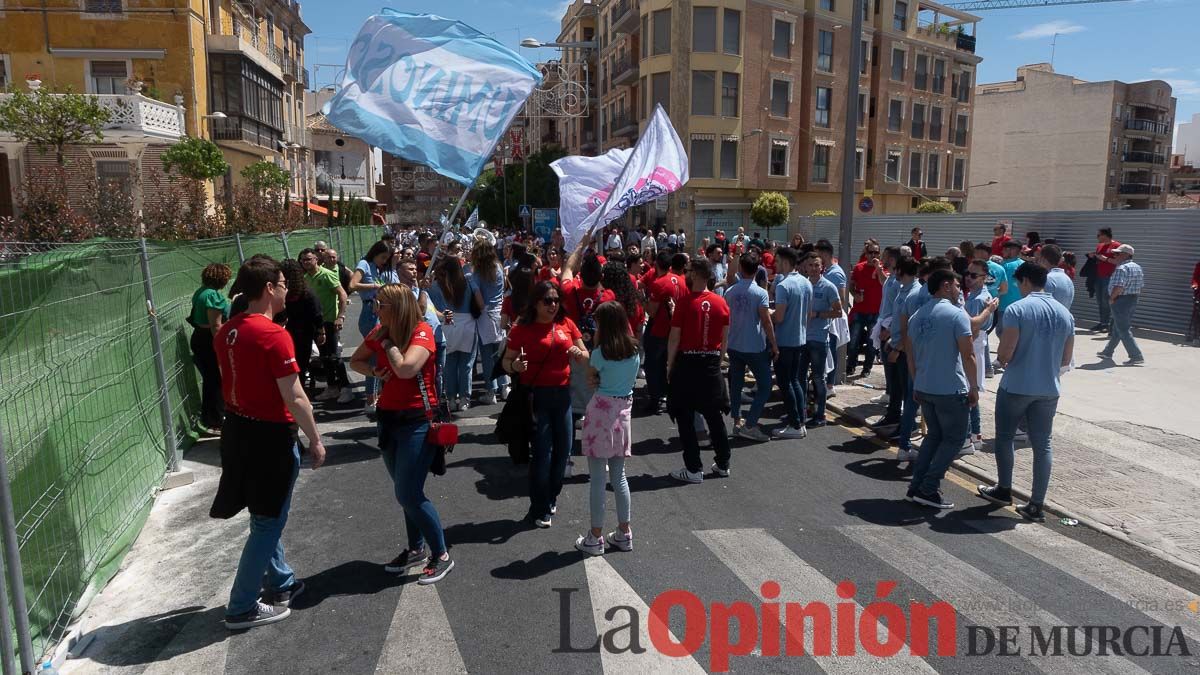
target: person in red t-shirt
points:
(260, 456)
(1001, 237)
(553, 269)
(866, 287)
(618, 282)
(543, 344)
(581, 295)
(1105, 248)
(698, 339)
(663, 290)
(403, 350)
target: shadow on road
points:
(981, 517)
(158, 637)
(355, 577)
(857, 446)
(522, 570)
(492, 532)
(653, 446)
(501, 479)
(882, 469)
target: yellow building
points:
(229, 71)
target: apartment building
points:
(578, 24)
(1053, 142)
(415, 196)
(756, 90)
(231, 72)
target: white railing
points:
(137, 113)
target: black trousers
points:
(716, 431)
(335, 370)
(212, 403)
(895, 383)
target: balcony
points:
(625, 125)
(1149, 126)
(625, 17)
(133, 117)
(246, 134)
(1139, 189)
(304, 77)
(298, 135)
(625, 70)
(240, 37)
(1141, 157)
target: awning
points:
(780, 142)
(824, 141)
(316, 208)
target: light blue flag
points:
(431, 90)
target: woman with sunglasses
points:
(980, 305)
(403, 346)
(372, 272)
(542, 344)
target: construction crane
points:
(977, 5)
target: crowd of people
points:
(561, 337)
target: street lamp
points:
(905, 187)
(990, 182)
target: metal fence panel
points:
(1165, 241)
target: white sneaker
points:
(369, 409)
(882, 399)
(906, 455)
(620, 540)
(977, 442)
(503, 393)
(685, 476)
(487, 398)
(464, 403)
(568, 469)
(345, 397)
(590, 545)
(717, 470)
(751, 432)
(968, 448)
(786, 431)
(329, 394)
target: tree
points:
(54, 120)
(264, 176)
(195, 158)
(542, 190)
(770, 210)
(936, 207)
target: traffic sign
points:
(524, 212)
(866, 204)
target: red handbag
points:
(441, 434)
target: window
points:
(820, 163)
(862, 111)
(102, 6)
(964, 87)
(643, 98)
(960, 173)
(827, 5)
(114, 176)
(704, 29)
(1114, 147)
(825, 51)
(824, 94)
(918, 120)
(729, 160)
(859, 165)
(645, 32)
(660, 84)
(895, 114)
(935, 124)
(781, 94)
(934, 173)
(921, 78)
(1112, 179)
(731, 32)
(939, 76)
(702, 158)
(900, 17)
(864, 52)
(729, 94)
(704, 92)
(960, 131)
(915, 163)
(892, 169)
(4, 76)
(781, 47)
(1117, 111)
(898, 64)
(779, 159)
(107, 77)
(662, 32)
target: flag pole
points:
(463, 198)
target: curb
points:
(1050, 506)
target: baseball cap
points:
(1124, 248)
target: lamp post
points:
(850, 142)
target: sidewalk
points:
(1126, 444)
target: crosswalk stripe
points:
(419, 639)
(755, 557)
(608, 589)
(974, 593)
(1158, 599)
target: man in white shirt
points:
(614, 242)
(649, 245)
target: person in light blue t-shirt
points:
(826, 306)
(751, 332)
(793, 299)
(940, 353)
(1036, 345)
(1058, 284)
(837, 276)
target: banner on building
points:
(431, 90)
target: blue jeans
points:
(655, 364)
(457, 376)
(759, 364)
(1038, 412)
(262, 566)
(908, 412)
(1122, 326)
(407, 458)
(813, 359)
(860, 337)
(366, 323)
(1102, 303)
(615, 469)
(831, 379)
(487, 359)
(946, 422)
(975, 421)
(553, 439)
(787, 371)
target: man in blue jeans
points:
(835, 274)
(1036, 345)
(909, 299)
(793, 298)
(260, 457)
(826, 305)
(940, 353)
(751, 332)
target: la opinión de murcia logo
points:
(881, 629)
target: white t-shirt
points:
(672, 239)
(649, 243)
(614, 241)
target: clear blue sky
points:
(1130, 41)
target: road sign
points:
(545, 222)
(866, 204)
(524, 211)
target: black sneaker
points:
(261, 615)
(933, 499)
(995, 494)
(1099, 327)
(406, 561)
(1032, 512)
(435, 571)
(284, 598)
(866, 372)
(908, 496)
(815, 423)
